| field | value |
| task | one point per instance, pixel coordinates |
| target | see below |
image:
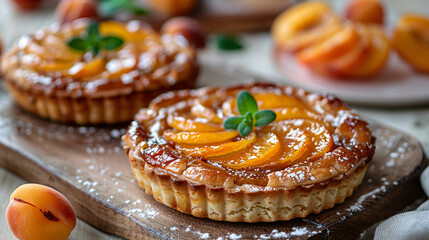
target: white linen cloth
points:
(412, 225)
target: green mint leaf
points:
(264, 117)
(232, 122)
(136, 9)
(92, 31)
(244, 128)
(246, 103)
(228, 42)
(78, 44)
(111, 42)
(248, 117)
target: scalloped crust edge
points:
(87, 110)
(233, 205)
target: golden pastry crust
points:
(333, 165)
(53, 81)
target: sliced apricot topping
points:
(86, 69)
(216, 149)
(48, 66)
(199, 137)
(192, 125)
(259, 152)
(293, 113)
(200, 110)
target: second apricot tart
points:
(46, 77)
(310, 158)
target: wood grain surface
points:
(88, 165)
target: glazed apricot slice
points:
(411, 40)
(330, 48)
(261, 151)
(199, 109)
(213, 150)
(293, 113)
(88, 68)
(191, 125)
(303, 25)
(199, 137)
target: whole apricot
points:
(39, 212)
(171, 7)
(27, 5)
(365, 11)
(192, 30)
(70, 10)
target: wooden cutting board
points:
(88, 165)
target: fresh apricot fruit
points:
(411, 40)
(28, 5)
(70, 10)
(39, 212)
(365, 11)
(189, 28)
(171, 7)
(303, 25)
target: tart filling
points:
(41, 67)
(316, 148)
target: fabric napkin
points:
(413, 225)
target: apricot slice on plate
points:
(330, 48)
(377, 56)
(411, 40)
(191, 125)
(303, 25)
(259, 152)
(216, 149)
(199, 137)
(341, 66)
(365, 11)
(39, 212)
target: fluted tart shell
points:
(264, 181)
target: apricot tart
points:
(311, 157)
(54, 81)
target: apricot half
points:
(39, 212)
(303, 25)
(411, 40)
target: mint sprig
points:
(92, 41)
(250, 116)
